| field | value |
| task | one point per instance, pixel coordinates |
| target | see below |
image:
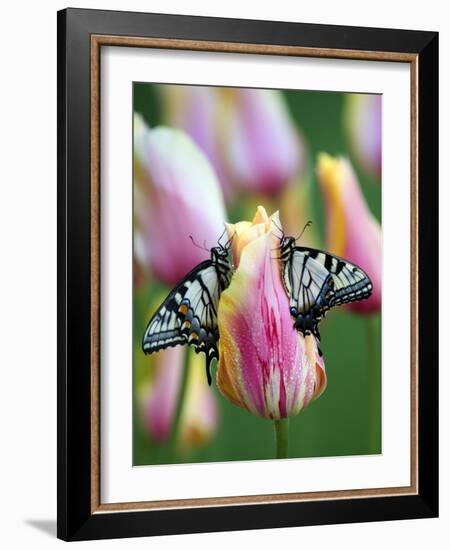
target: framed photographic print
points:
(247, 256)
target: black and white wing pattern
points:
(189, 313)
(317, 281)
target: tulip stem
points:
(173, 438)
(282, 437)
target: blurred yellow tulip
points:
(352, 231)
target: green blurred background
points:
(346, 419)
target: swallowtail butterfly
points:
(189, 313)
(316, 281)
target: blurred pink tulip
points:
(263, 149)
(160, 398)
(352, 231)
(265, 365)
(363, 124)
(247, 134)
(176, 195)
(197, 111)
(199, 415)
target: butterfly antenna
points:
(307, 224)
(222, 234)
(279, 228)
(197, 245)
(230, 240)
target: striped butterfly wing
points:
(305, 281)
(316, 281)
(189, 315)
(350, 282)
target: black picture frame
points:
(76, 519)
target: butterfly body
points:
(188, 316)
(316, 281)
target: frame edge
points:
(82, 525)
(428, 157)
(61, 278)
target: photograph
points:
(257, 273)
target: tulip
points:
(296, 203)
(247, 134)
(199, 414)
(263, 149)
(176, 195)
(265, 365)
(197, 111)
(160, 397)
(352, 231)
(363, 124)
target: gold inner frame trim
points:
(97, 41)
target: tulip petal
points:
(161, 397)
(197, 111)
(363, 123)
(352, 230)
(200, 416)
(263, 147)
(244, 232)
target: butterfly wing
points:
(316, 281)
(350, 282)
(306, 281)
(188, 315)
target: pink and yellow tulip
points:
(352, 231)
(161, 394)
(199, 415)
(263, 149)
(265, 365)
(177, 194)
